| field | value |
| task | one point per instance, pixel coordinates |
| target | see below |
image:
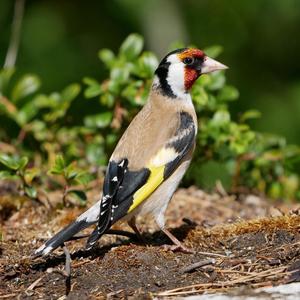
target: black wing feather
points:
(183, 142)
(120, 184)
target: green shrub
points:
(38, 126)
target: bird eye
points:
(188, 60)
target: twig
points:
(211, 254)
(14, 42)
(64, 196)
(231, 271)
(47, 203)
(67, 269)
(81, 263)
(220, 189)
(7, 296)
(198, 264)
(22, 134)
(73, 285)
(34, 284)
(112, 294)
(195, 288)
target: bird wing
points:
(125, 189)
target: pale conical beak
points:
(210, 65)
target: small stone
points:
(252, 200)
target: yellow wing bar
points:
(155, 179)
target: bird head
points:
(179, 69)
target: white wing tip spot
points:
(121, 164)
(106, 197)
(44, 250)
(47, 250)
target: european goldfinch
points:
(152, 155)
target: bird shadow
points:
(156, 239)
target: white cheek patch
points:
(176, 76)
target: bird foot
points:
(178, 248)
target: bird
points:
(152, 155)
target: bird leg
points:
(132, 225)
(178, 246)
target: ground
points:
(238, 241)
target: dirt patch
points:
(244, 251)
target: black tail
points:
(83, 221)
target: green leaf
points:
(250, 114)
(39, 130)
(200, 97)
(42, 101)
(71, 171)
(132, 46)
(59, 165)
(59, 103)
(220, 118)
(228, 93)
(203, 81)
(213, 51)
(70, 92)
(22, 162)
(290, 185)
(101, 120)
(30, 174)
(113, 87)
(90, 81)
(94, 88)
(95, 154)
(30, 191)
(147, 64)
(26, 86)
(107, 99)
(107, 56)
(84, 178)
(80, 195)
(8, 175)
(291, 151)
(217, 80)
(131, 90)
(26, 113)
(13, 163)
(5, 76)
(120, 75)
(275, 190)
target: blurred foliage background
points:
(60, 41)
